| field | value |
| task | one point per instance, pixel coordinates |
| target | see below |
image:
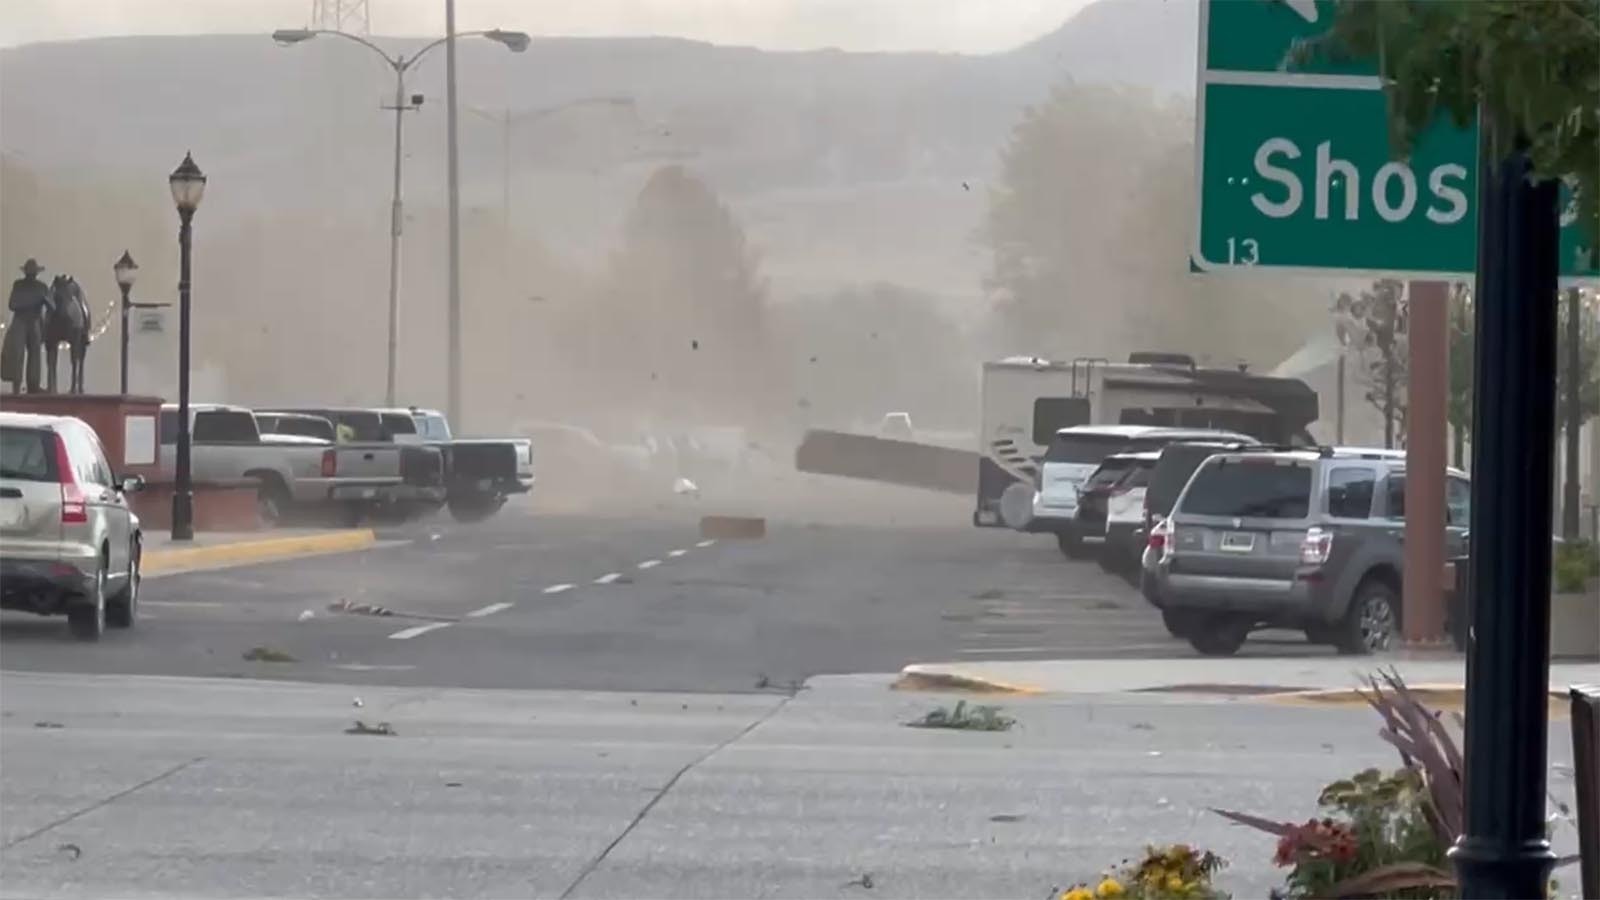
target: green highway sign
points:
(1294, 170)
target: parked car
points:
(292, 471)
(1094, 496)
(1124, 514)
(69, 543)
(1073, 455)
(1172, 471)
(477, 474)
(1304, 539)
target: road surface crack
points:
(671, 782)
(50, 826)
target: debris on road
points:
(268, 654)
(1007, 817)
(382, 729)
(965, 718)
(72, 850)
(684, 486)
(865, 881)
(360, 609)
(48, 725)
(306, 615)
(356, 703)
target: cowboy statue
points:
(21, 353)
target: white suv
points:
(69, 544)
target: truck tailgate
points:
(377, 463)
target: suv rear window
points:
(27, 454)
(1084, 448)
(1257, 488)
(1109, 473)
(1172, 472)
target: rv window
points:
(1051, 414)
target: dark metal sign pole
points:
(1504, 851)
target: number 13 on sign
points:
(1243, 251)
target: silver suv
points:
(68, 541)
(1302, 539)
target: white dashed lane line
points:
(650, 564)
(608, 578)
(409, 633)
(489, 610)
(676, 553)
(705, 543)
(559, 588)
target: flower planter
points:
(1575, 623)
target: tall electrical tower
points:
(342, 15)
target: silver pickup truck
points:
(292, 471)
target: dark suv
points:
(1304, 539)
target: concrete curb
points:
(921, 678)
(1439, 696)
(238, 553)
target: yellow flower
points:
(1109, 888)
(1078, 893)
(1175, 884)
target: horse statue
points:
(68, 324)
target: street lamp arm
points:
(396, 63)
(420, 53)
(515, 41)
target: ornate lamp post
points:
(188, 185)
(126, 270)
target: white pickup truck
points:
(290, 470)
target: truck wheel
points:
(1218, 635)
(86, 619)
(272, 500)
(475, 509)
(1369, 625)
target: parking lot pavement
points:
(531, 600)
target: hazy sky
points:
(959, 25)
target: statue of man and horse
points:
(44, 318)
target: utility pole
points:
(453, 404)
(396, 224)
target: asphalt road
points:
(539, 600)
(144, 788)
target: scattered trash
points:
(965, 186)
(452, 784)
(48, 725)
(1142, 726)
(990, 594)
(965, 718)
(72, 850)
(359, 609)
(306, 615)
(865, 881)
(357, 703)
(763, 682)
(1007, 817)
(434, 537)
(267, 654)
(685, 486)
(1152, 753)
(633, 703)
(694, 345)
(382, 728)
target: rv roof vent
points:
(1158, 358)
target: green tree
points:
(1376, 324)
(1530, 71)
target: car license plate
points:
(1238, 542)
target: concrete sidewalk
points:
(216, 550)
(166, 787)
(1443, 676)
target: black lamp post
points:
(188, 186)
(126, 270)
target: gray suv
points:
(1303, 539)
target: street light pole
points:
(515, 41)
(188, 184)
(396, 218)
(126, 270)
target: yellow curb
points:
(216, 556)
(1439, 696)
(914, 679)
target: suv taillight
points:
(1315, 547)
(74, 507)
(330, 463)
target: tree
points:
(683, 317)
(1588, 349)
(1376, 324)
